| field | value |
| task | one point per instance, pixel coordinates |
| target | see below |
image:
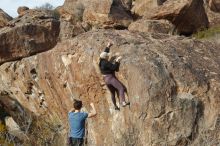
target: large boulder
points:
(4, 18)
(146, 7)
(108, 13)
(153, 26)
(188, 16)
(101, 14)
(173, 85)
(32, 33)
(79, 16)
(214, 5)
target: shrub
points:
(50, 9)
(55, 14)
(45, 131)
(45, 6)
(208, 33)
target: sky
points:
(11, 6)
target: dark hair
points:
(77, 104)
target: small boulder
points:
(214, 18)
(214, 5)
(145, 7)
(21, 10)
(153, 26)
(64, 15)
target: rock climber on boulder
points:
(108, 70)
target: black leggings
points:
(114, 85)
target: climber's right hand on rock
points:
(118, 59)
(109, 44)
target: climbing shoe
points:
(117, 108)
(125, 103)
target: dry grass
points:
(45, 131)
(5, 138)
(210, 33)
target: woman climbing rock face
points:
(108, 70)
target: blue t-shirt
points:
(77, 124)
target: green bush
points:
(208, 33)
(55, 14)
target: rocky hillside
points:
(173, 85)
(173, 82)
(4, 18)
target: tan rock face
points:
(69, 30)
(187, 15)
(214, 18)
(154, 26)
(21, 10)
(72, 10)
(4, 18)
(214, 5)
(106, 13)
(146, 7)
(72, 19)
(64, 15)
(33, 33)
(173, 85)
